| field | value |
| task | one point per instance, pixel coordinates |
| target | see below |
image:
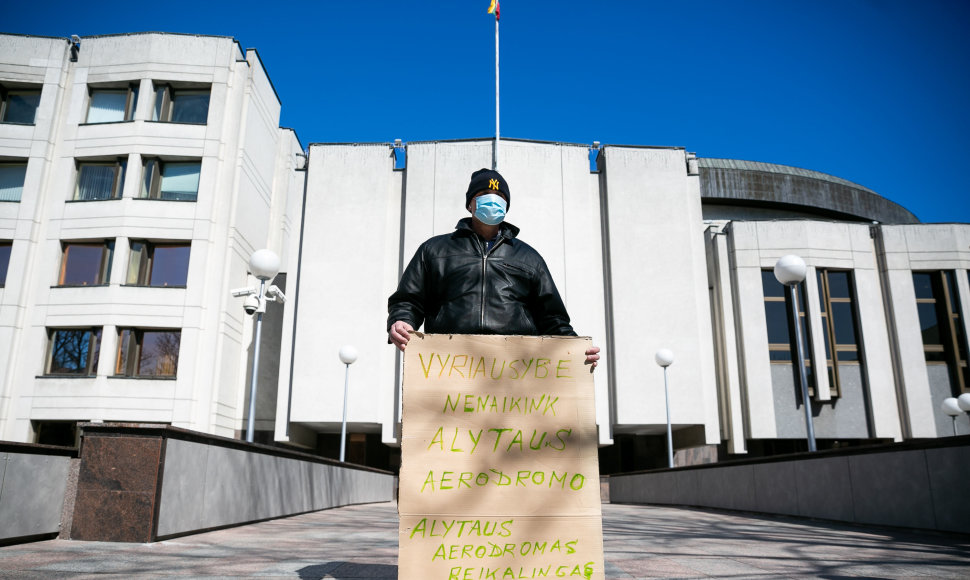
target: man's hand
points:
(399, 337)
(592, 355)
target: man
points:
(480, 279)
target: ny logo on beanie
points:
(487, 180)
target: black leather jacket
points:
(454, 287)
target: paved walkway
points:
(640, 541)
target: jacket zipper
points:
(482, 246)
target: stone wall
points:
(145, 483)
(33, 480)
(910, 485)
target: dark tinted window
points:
(85, 264)
(74, 351)
(5, 248)
(20, 106)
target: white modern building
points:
(153, 166)
(137, 175)
(651, 248)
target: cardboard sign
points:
(499, 470)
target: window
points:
(12, 177)
(5, 248)
(148, 353)
(174, 105)
(835, 291)
(781, 335)
(18, 105)
(158, 264)
(63, 433)
(944, 338)
(171, 180)
(100, 180)
(86, 263)
(73, 351)
(111, 105)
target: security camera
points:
(251, 304)
(275, 294)
(242, 292)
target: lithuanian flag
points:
(493, 8)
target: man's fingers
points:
(399, 334)
(592, 355)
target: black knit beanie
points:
(491, 181)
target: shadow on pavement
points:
(348, 571)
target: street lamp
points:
(348, 355)
(264, 265)
(951, 406)
(665, 358)
(790, 270)
(963, 401)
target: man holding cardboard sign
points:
(498, 445)
(480, 279)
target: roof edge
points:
(712, 163)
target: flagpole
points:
(495, 149)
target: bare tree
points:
(159, 352)
(71, 351)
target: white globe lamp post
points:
(348, 355)
(665, 358)
(951, 406)
(264, 265)
(963, 401)
(790, 270)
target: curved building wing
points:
(772, 190)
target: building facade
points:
(137, 175)
(651, 248)
(153, 166)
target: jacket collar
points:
(505, 229)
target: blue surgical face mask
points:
(490, 209)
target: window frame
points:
(145, 266)
(104, 269)
(11, 163)
(153, 172)
(131, 102)
(5, 265)
(128, 357)
(790, 347)
(120, 166)
(829, 322)
(93, 352)
(166, 96)
(6, 91)
(951, 327)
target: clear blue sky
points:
(874, 91)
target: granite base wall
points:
(142, 484)
(911, 485)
